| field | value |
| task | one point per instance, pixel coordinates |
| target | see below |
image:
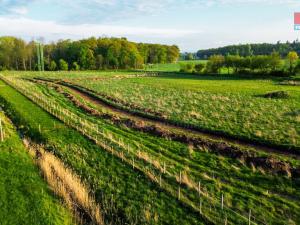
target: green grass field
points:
(271, 197)
(232, 106)
(171, 67)
(121, 198)
(24, 197)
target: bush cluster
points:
(272, 65)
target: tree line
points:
(252, 49)
(272, 64)
(87, 54)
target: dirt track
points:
(235, 149)
(122, 113)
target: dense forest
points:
(252, 49)
(86, 54)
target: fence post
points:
(249, 218)
(1, 131)
(222, 201)
(160, 180)
(180, 177)
(200, 206)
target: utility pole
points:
(40, 56)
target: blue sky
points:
(191, 24)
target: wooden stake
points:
(180, 177)
(222, 201)
(200, 206)
(1, 131)
(249, 218)
(160, 180)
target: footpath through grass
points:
(24, 197)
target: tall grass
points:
(66, 184)
(25, 197)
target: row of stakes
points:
(65, 112)
(85, 123)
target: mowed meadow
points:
(163, 148)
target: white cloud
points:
(252, 1)
(19, 10)
(52, 30)
(82, 18)
(93, 11)
(14, 7)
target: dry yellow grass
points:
(65, 183)
(5, 124)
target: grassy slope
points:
(221, 167)
(134, 198)
(24, 196)
(222, 104)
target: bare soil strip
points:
(192, 132)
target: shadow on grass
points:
(229, 77)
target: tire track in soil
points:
(188, 131)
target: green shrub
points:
(75, 66)
(52, 66)
(187, 67)
(199, 67)
(63, 65)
